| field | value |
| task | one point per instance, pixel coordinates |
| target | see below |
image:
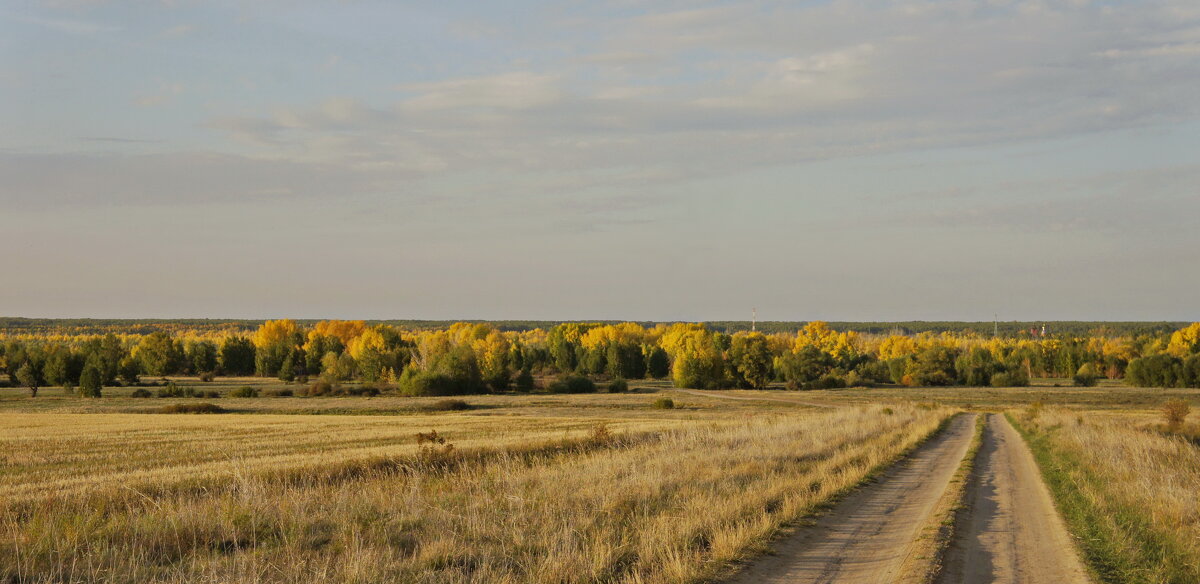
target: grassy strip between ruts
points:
(925, 560)
(1119, 538)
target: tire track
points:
(1009, 530)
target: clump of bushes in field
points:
(572, 384)
(663, 403)
(173, 390)
(140, 393)
(244, 391)
(200, 408)
(446, 405)
(618, 385)
(280, 393)
(1164, 370)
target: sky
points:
(626, 159)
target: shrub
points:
(140, 392)
(280, 393)
(364, 390)
(618, 385)
(210, 393)
(663, 403)
(1155, 371)
(1013, 378)
(244, 391)
(322, 387)
(206, 376)
(828, 382)
(90, 382)
(573, 384)
(600, 435)
(446, 405)
(933, 366)
(1175, 411)
(424, 383)
(524, 381)
(1086, 376)
(201, 408)
(172, 390)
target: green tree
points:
(933, 366)
(56, 369)
(201, 356)
(158, 353)
(804, 368)
(237, 356)
(625, 361)
(658, 363)
(751, 359)
(91, 380)
(975, 367)
(29, 376)
(129, 370)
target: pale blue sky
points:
(568, 160)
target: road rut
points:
(1011, 531)
(867, 537)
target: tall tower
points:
(753, 319)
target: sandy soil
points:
(1009, 530)
(867, 537)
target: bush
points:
(280, 393)
(201, 408)
(1175, 412)
(172, 390)
(206, 376)
(244, 391)
(933, 366)
(424, 383)
(828, 382)
(211, 393)
(524, 381)
(618, 385)
(1156, 371)
(573, 384)
(1086, 376)
(446, 405)
(139, 392)
(322, 387)
(364, 390)
(1013, 378)
(663, 403)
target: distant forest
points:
(1074, 328)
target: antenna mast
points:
(995, 325)
(753, 319)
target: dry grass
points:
(643, 500)
(1127, 490)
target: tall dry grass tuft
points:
(1175, 412)
(676, 508)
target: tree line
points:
(479, 357)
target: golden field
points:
(535, 489)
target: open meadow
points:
(553, 488)
(534, 488)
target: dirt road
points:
(1009, 530)
(866, 538)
